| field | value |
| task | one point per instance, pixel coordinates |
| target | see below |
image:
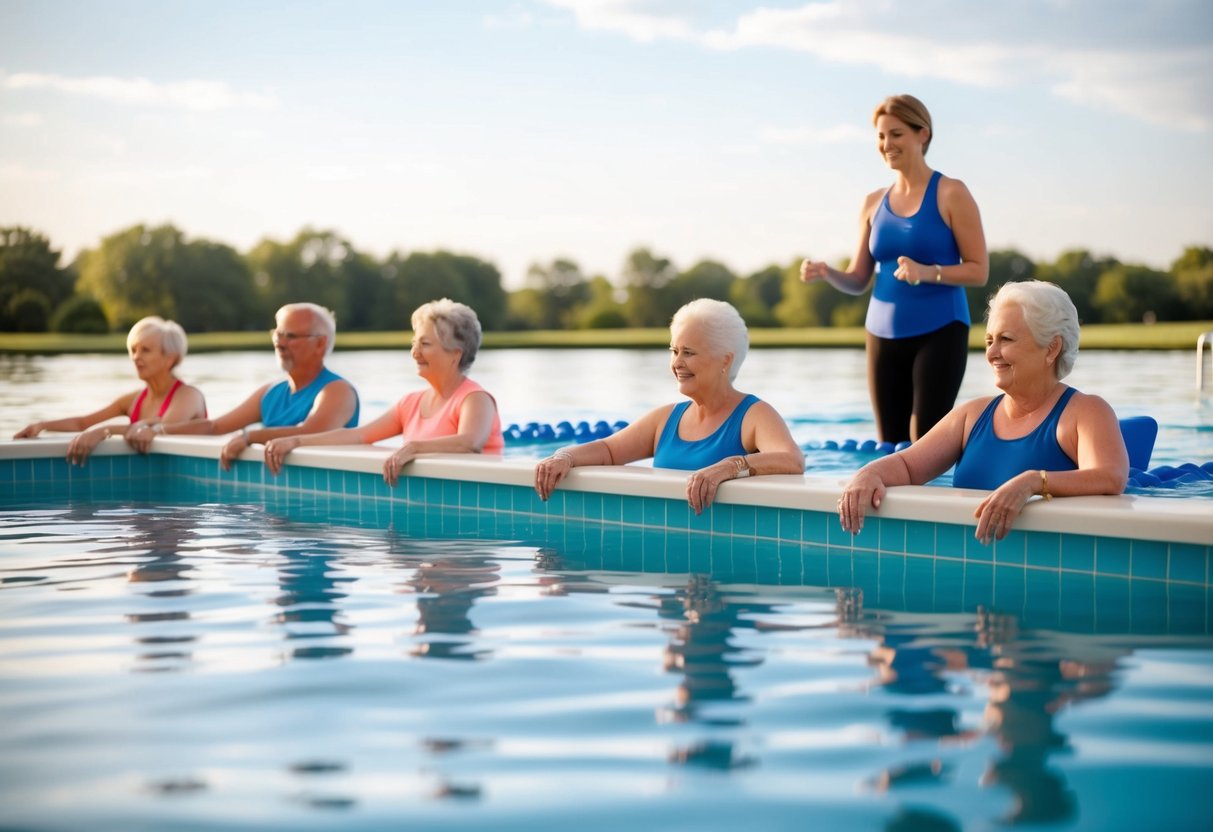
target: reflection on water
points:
(720, 702)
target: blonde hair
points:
(910, 110)
(172, 336)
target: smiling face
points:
(1011, 351)
(434, 361)
(149, 357)
(898, 143)
(692, 361)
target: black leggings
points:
(913, 381)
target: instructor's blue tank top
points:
(988, 462)
(898, 309)
(674, 452)
(281, 408)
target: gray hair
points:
(722, 324)
(1048, 312)
(172, 336)
(457, 326)
(323, 320)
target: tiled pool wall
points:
(780, 531)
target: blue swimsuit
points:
(898, 309)
(281, 408)
(675, 452)
(988, 462)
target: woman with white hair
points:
(1039, 436)
(156, 347)
(453, 415)
(720, 434)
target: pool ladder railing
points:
(1205, 338)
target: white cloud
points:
(1155, 68)
(188, 95)
(22, 120)
(21, 174)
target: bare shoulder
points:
(953, 190)
(338, 387)
(872, 201)
(1087, 405)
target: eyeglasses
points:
(280, 335)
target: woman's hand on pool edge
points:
(549, 472)
(999, 510)
(394, 464)
(703, 484)
(83, 444)
(276, 451)
(865, 489)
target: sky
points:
(521, 131)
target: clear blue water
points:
(230, 667)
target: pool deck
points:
(1166, 520)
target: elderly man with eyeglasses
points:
(311, 399)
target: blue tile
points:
(1112, 556)
(1042, 605)
(791, 563)
(612, 508)
(592, 506)
(1078, 552)
(766, 522)
(920, 538)
(892, 535)
(950, 540)
(1187, 608)
(700, 554)
(839, 569)
(721, 517)
(891, 579)
(42, 470)
(1148, 559)
(949, 584)
(633, 510)
(745, 521)
(417, 489)
(653, 511)
(450, 493)
(1043, 549)
(1011, 549)
(814, 565)
(790, 524)
(865, 569)
(1148, 606)
(1010, 589)
(699, 522)
(744, 553)
(574, 505)
(677, 514)
(769, 563)
(818, 527)
(1189, 562)
(1078, 609)
(678, 553)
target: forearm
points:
(849, 282)
(968, 273)
(775, 462)
(1077, 483)
(454, 444)
(194, 427)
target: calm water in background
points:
(822, 393)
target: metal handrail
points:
(1205, 337)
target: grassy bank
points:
(1162, 336)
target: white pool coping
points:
(1134, 517)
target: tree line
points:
(208, 286)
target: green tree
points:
(212, 290)
(603, 309)
(422, 277)
(80, 314)
(129, 273)
(31, 281)
(313, 267)
(1005, 266)
(817, 303)
(706, 279)
(553, 295)
(757, 296)
(1134, 293)
(1078, 272)
(1194, 282)
(645, 278)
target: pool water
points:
(239, 667)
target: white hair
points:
(1048, 312)
(457, 326)
(172, 336)
(722, 325)
(323, 320)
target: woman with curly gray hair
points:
(452, 415)
(1038, 437)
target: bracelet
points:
(938, 273)
(1044, 485)
(743, 467)
(244, 435)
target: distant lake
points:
(822, 392)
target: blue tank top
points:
(988, 462)
(281, 408)
(675, 452)
(897, 309)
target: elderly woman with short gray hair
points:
(453, 415)
(1038, 437)
(156, 347)
(720, 434)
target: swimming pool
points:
(186, 647)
